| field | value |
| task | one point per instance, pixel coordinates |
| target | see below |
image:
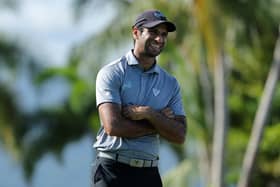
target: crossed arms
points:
(135, 121)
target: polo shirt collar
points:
(131, 60)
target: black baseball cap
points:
(152, 18)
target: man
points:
(137, 101)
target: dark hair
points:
(140, 29)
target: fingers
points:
(168, 112)
(131, 112)
(135, 112)
(126, 111)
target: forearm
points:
(131, 129)
(118, 125)
(172, 129)
(169, 126)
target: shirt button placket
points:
(143, 87)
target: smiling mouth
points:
(155, 46)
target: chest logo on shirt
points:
(156, 92)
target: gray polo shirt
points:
(124, 82)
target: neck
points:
(145, 62)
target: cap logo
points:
(159, 15)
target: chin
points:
(155, 54)
(152, 55)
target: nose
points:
(160, 38)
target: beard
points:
(152, 49)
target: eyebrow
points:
(157, 31)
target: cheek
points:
(143, 40)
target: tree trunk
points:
(207, 93)
(220, 128)
(260, 119)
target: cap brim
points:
(170, 26)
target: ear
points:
(135, 33)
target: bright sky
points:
(48, 30)
(47, 27)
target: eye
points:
(155, 32)
(164, 34)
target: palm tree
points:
(16, 124)
(260, 119)
(206, 13)
(208, 34)
(212, 22)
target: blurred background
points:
(225, 54)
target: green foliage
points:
(271, 141)
(30, 136)
(80, 96)
(68, 73)
(9, 52)
(179, 174)
(51, 132)
(9, 118)
(274, 114)
(247, 31)
(270, 157)
(268, 160)
(236, 147)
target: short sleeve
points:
(108, 82)
(176, 103)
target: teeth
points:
(155, 46)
